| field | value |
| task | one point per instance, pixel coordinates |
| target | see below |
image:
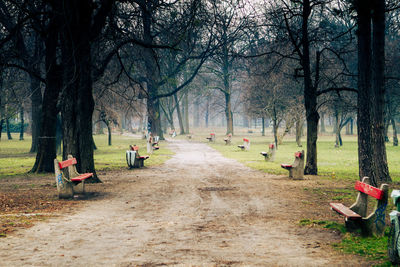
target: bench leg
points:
(296, 173)
(80, 188)
(66, 190)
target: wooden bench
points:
(228, 139)
(130, 158)
(211, 138)
(356, 216)
(296, 169)
(68, 180)
(270, 155)
(246, 144)
(154, 142)
(139, 160)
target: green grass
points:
(372, 248)
(342, 161)
(15, 158)
(325, 224)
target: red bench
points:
(211, 138)
(356, 215)
(139, 160)
(228, 139)
(270, 155)
(68, 180)
(296, 169)
(246, 144)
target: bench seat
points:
(82, 177)
(287, 166)
(345, 211)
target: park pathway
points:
(199, 209)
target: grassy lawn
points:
(342, 161)
(15, 158)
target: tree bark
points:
(152, 73)
(378, 73)
(47, 139)
(299, 130)
(263, 126)
(109, 134)
(365, 159)
(9, 137)
(186, 113)
(21, 129)
(395, 140)
(36, 112)
(178, 111)
(322, 123)
(1, 127)
(77, 96)
(310, 97)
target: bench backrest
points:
(271, 146)
(66, 163)
(369, 190)
(134, 148)
(297, 154)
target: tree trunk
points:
(310, 97)
(275, 130)
(228, 114)
(395, 140)
(365, 159)
(196, 114)
(337, 127)
(299, 130)
(1, 127)
(21, 129)
(47, 140)
(263, 126)
(152, 73)
(9, 137)
(77, 97)
(109, 134)
(207, 113)
(322, 127)
(36, 112)
(178, 111)
(378, 73)
(186, 114)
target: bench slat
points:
(369, 190)
(67, 163)
(345, 211)
(286, 166)
(82, 177)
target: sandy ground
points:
(198, 209)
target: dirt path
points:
(198, 209)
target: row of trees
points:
(289, 61)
